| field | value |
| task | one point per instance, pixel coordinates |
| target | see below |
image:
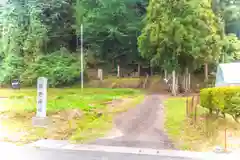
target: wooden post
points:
(187, 104)
(192, 103)
(225, 140)
(189, 81)
(98, 73)
(184, 83)
(195, 110)
(177, 84)
(186, 80)
(198, 100)
(151, 70)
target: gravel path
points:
(141, 126)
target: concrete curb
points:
(64, 145)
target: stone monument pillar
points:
(41, 119)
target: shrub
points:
(61, 68)
(11, 68)
(222, 99)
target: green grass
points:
(92, 126)
(175, 116)
(20, 107)
(59, 99)
(184, 133)
(181, 130)
(114, 82)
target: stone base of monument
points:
(41, 121)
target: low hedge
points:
(225, 100)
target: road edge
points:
(46, 144)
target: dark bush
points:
(11, 68)
(61, 68)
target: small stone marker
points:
(118, 71)
(41, 97)
(41, 120)
(100, 74)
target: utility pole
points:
(82, 69)
(79, 22)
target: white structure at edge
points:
(228, 74)
(41, 97)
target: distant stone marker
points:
(118, 71)
(100, 74)
(41, 119)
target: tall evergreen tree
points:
(179, 34)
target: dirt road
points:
(141, 126)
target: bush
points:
(61, 68)
(222, 99)
(11, 68)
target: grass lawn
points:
(113, 82)
(17, 107)
(205, 134)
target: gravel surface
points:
(141, 126)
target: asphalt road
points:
(86, 152)
(53, 154)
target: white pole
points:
(81, 56)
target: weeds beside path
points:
(95, 106)
(204, 134)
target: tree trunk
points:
(186, 86)
(184, 83)
(189, 81)
(187, 77)
(145, 82)
(139, 70)
(174, 83)
(113, 65)
(206, 72)
(177, 84)
(165, 74)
